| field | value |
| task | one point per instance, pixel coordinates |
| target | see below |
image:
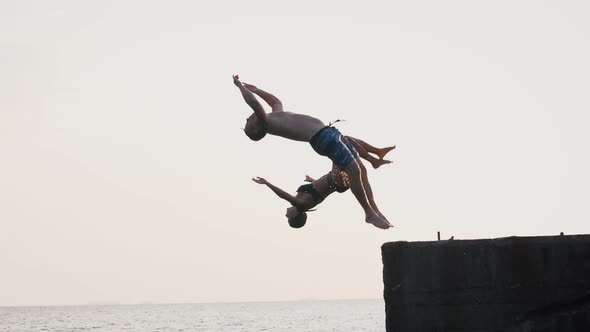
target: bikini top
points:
(308, 188)
(337, 180)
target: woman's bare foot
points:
(382, 152)
(376, 221)
(380, 162)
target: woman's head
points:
(295, 217)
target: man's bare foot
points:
(383, 217)
(382, 152)
(380, 162)
(377, 222)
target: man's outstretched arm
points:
(270, 99)
(251, 100)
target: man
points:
(325, 140)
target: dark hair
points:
(298, 221)
(255, 134)
(254, 129)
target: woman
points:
(313, 193)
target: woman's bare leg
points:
(364, 148)
(380, 152)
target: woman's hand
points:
(260, 180)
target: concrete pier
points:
(519, 284)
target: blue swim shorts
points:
(331, 143)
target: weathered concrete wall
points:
(509, 284)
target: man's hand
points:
(309, 178)
(260, 180)
(237, 80)
(250, 87)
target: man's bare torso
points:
(299, 127)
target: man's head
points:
(296, 218)
(254, 129)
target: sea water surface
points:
(340, 315)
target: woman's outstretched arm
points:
(279, 192)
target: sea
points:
(336, 315)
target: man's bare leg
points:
(360, 148)
(359, 187)
(370, 197)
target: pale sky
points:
(125, 176)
